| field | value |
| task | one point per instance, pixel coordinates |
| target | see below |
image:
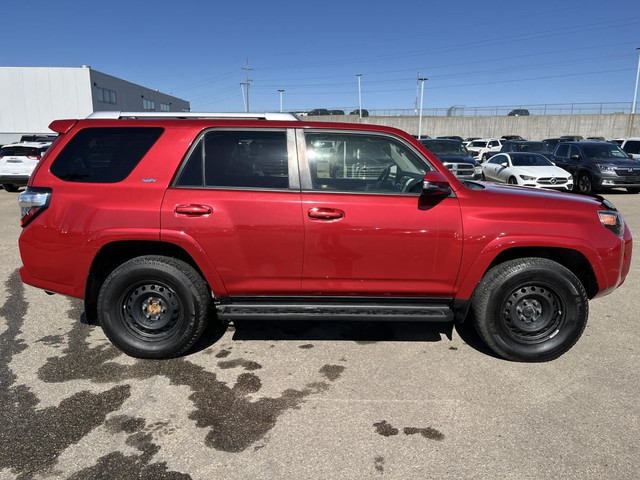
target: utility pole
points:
(280, 91)
(247, 83)
(417, 88)
(359, 97)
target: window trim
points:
(292, 164)
(305, 169)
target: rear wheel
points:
(154, 307)
(530, 309)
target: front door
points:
(368, 230)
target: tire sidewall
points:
(111, 316)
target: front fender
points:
(475, 268)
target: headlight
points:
(612, 220)
(606, 168)
(527, 178)
(477, 169)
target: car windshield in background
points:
(478, 144)
(535, 147)
(604, 151)
(530, 161)
(444, 148)
(21, 151)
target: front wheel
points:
(512, 181)
(633, 190)
(530, 309)
(9, 187)
(154, 307)
(583, 183)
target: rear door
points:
(368, 230)
(236, 199)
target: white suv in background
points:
(17, 162)
(483, 148)
(632, 147)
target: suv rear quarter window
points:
(104, 155)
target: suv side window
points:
(562, 150)
(363, 163)
(573, 150)
(104, 155)
(244, 159)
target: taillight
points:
(33, 157)
(33, 201)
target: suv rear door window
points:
(245, 159)
(104, 155)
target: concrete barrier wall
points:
(533, 127)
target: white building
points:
(32, 97)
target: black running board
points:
(368, 309)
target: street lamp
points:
(359, 96)
(281, 91)
(423, 79)
(635, 92)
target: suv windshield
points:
(607, 150)
(534, 147)
(21, 151)
(478, 144)
(442, 147)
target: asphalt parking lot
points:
(312, 400)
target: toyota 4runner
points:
(162, 224)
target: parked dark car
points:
(512, 137)
(542, 148)
(597, 166)
(452, 137)
(365, 113)
(519, 112)
(552, 142)
(455, 157)
(319, 111)
(336, 112)
(572, 138)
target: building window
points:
(106, 96)
(148, 104)
(164, 107)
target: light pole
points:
(359, 96)
(422, 79)
(635, 92)
(280, 91)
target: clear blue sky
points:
(474, 53)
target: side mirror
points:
(435, 185)
(575, 157)
(504, 164)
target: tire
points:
(154, 307)
(512, 181)
(583, 183)
(530, 309)
(9, 187)
(633, 190)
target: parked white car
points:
(17, 162)
(483, 148)
(632, 147)
(527, 170)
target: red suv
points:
(163, 223)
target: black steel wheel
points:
(153, 307)
(583, 183)
(530, 309)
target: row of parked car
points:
(18, 160)
(572, 164)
